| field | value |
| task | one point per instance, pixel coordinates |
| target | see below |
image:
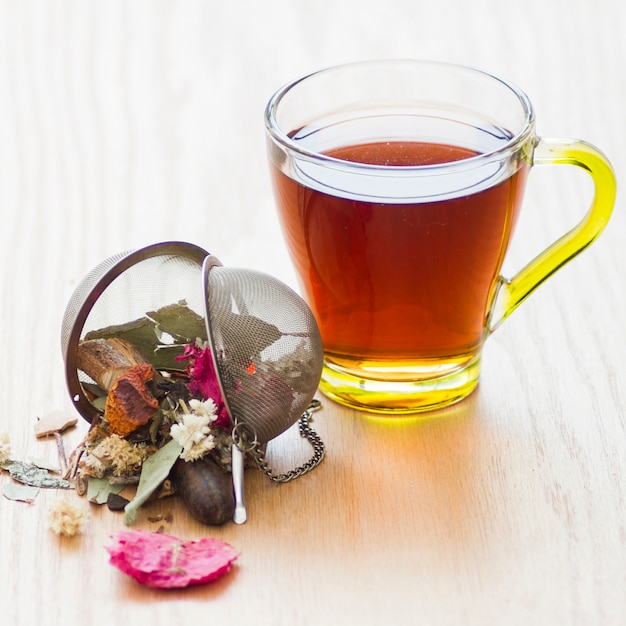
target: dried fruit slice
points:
(166, 562)
(129, 403)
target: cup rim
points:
(517, 140)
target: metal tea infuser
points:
(249, 318)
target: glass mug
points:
(398, 185)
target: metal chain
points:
(306, 431)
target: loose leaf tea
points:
(151, 416)
(155, 382)
(165, 562)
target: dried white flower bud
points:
(65, 519)
(5, 448)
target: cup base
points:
(398, 398)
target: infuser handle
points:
(240, 515)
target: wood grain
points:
(127, 123)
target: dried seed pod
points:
(105, 360)
(206, 490)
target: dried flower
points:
(5, 448)
(165, 562)
(115, 455)
(206, 408)
(193, 432)
(65, 519)
(203, 378)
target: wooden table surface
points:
(124, 123)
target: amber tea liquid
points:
(399, 288)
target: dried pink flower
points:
(165, 562)
(203, 379)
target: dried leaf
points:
(153, 472)
(139, 332)
(145, 334)
(165, 562)
(35, 476)
(54, 422)
(20, 493)
(98, 490)
(180, 322)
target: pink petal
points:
(203, 380)
(166, 562)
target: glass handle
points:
(512, 292)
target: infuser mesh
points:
(264, 339)
(81, 295)
(267, 349)
(119, 294)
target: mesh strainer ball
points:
(264, 340)
(266, 347)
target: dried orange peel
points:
(129, 403)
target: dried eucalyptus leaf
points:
(154, 471)
(98, 490)
(36, 477)
(140, 332)
(176, 320)
(164, 357)
(180, 322)
(20, 493)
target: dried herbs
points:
(28, 477)
(155, 383)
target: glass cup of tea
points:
(398, 185)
